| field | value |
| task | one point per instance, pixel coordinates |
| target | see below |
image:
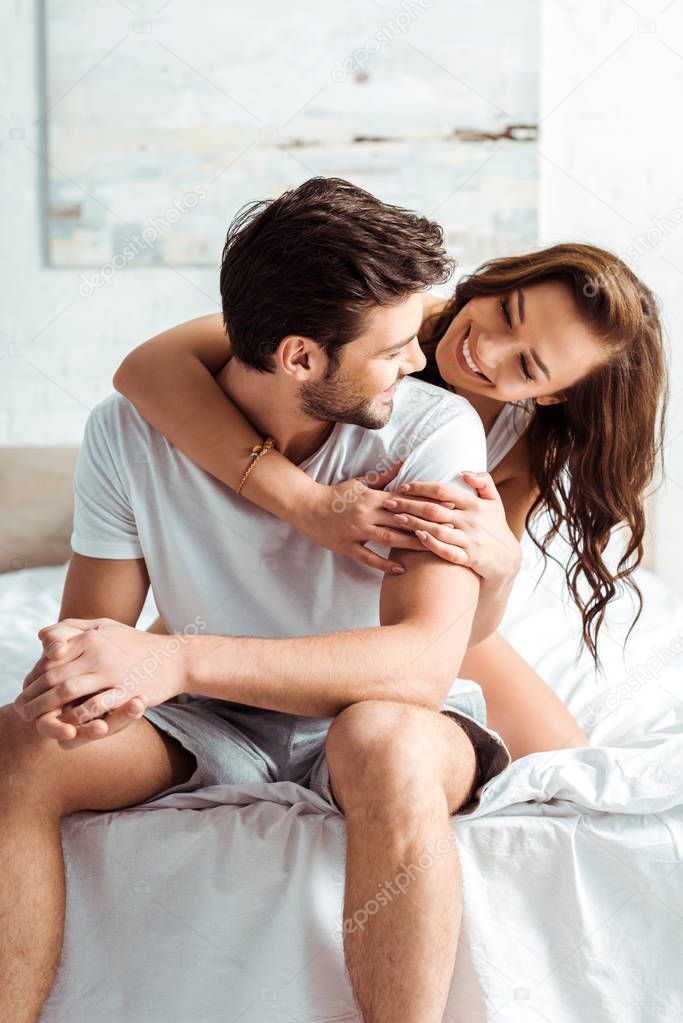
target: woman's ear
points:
(551, 399)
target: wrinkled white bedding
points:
(222, 904)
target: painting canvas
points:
(161, 121)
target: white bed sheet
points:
(222, 904)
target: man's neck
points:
(273, 411)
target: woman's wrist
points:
(506, 568)
(279, 487)
(310, 504)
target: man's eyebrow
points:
(540, 363)
(399, 344)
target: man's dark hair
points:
(315, 261)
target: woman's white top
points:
(509, 425)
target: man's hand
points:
(91, 668)
(53, 651)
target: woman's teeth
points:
(468, 358)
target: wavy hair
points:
(593, 456)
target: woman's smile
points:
(466, 358)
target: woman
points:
(560, 352)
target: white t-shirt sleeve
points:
(104, 524)
(455, 445)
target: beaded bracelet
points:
(256, 452)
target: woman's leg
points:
(521, 707)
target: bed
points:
(224, 904)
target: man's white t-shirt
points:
(218, 558)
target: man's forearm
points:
(318, 676)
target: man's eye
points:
(506, 312)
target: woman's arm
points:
(170, 380)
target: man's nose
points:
(414, 359)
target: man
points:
(346, 689)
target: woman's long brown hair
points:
(593, 456)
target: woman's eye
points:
(506, 312)
(525, 368)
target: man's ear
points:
(551, 399)
(301, 358)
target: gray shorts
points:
(235, 744)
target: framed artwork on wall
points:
(180, 114)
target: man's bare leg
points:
(399, 771)
(39, 783)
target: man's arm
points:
(104, 588)
(412, 657)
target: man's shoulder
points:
(421, 409)
(117, 414)
(117, 425)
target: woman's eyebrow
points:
(520, 313)
(540, 363)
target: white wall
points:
(611, 151)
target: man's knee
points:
(112, 773)
(22, 754)
(386, 752)
(19, 740)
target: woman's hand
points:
(346, 516)
(465, 529)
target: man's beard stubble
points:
(336, 399)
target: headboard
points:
(36, 506)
